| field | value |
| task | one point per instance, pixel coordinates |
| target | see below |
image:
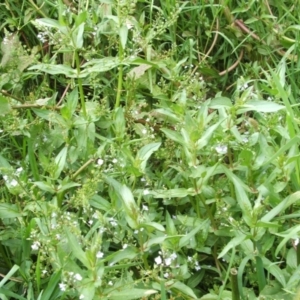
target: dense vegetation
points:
(149, 149)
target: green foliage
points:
(149, 150)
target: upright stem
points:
(79, 80)
(121, 56)
(234, 284)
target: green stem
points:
(120, 81)
(79, 80)
(234, 284)
(121, 56)
(298, 255)
(210, 215)
(227, 274)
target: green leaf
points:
(56, 69)
(123, 35)
(173, 135)
(60, 161)
(260, 106)
(226, 295)
(124, 254)
(51, 286)
(289, 234)
(12, 271)
(76, 249)
(8, 210)
(48, 23)
(72, 101)
(145, 152)
(4, 106)
(100, 65)
(241, 196)
(288, 201)
(78, 36)
(220, 102)
(45, 186)
(179, 286)
(131, 209)
(132, 293)
(154, 225)
(11, 294)
(260, 272)
(119, 123)
(138, 71)
(203, 141)
(287, 146)
(185, 240)
(275, 271)
(172, 193)
(100, 203)
(171, 228)
(67, 186)
(233, 243)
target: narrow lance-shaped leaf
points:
(203, 141)
(241, 196)
(233, 243)
(288, 201)
(76, 249)
(60, 161)
(4, 106)
(145, 152)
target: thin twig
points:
(5, 93)
(25, 106)
(233, 66)
(12, 278)
(63, 95)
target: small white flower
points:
(173, 256)
(14, 183)
(145, 207)
(53, 215)
(166, 275)
(44, 272)
(36, 245)
(57, 236)
(100, 162)
(158, 260)
(90, 222)
(19, 170)
(99, 254)
(125, 246)
(114, 161)
(168, 261)
(144, 131)
(110, 283)
(221, 149)
(146, 192)
(62, 286)
(78, 277)
(197, 267)
(296, 241)
(113, 222)
(81, 296)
